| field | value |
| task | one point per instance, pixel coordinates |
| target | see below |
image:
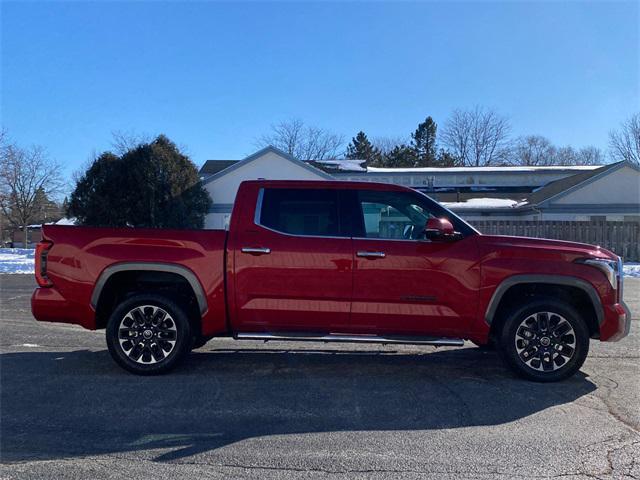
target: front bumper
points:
(617, 322)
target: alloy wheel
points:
(545, 341)
(147, 334)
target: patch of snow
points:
(482, 203)
(631, 270)
(344, 164)
(66, 221)
(482, 169)
(17, 260)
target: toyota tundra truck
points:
(332, 261)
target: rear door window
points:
(308, 212)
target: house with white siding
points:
(609, 192)
(222, 178)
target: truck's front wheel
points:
(148, 334)
(545, 340)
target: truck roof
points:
(333, 184)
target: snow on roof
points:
(483, 203)
(66, 221)
(482, 169)
(342, 164)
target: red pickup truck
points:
(332, 261)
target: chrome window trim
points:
(258, 214)
(393, 239)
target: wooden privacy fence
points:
(623, 238)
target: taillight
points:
(42, 250)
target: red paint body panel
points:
(417, 288)
(320, 284)
(80, 254)
(304, 284)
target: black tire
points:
(544, 354)
(160, 353)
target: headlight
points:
(610, 268)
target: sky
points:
(215, 76)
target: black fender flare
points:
(563, 280)
(184, 272)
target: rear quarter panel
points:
(80, 254)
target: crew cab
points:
(332, 261)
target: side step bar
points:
(296, 337)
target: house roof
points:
(258, 154)
(492, 169)
(544, 194)
(212, 167)
(340, 165)
(564, 185)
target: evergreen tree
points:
(445, 159)
(46, 210)
(100, 196)
(402, 156)
(361, 148)
(423, 143)
(151, 185)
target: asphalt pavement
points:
(305, 410)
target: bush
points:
(152, 185)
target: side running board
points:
(297, 337)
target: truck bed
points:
(80, 256)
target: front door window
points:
(392, 215)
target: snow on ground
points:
(631, 270)
(20, 260)
(16, 260)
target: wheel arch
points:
(546, 283)
(179, 270)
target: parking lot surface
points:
(303, 410)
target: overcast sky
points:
(213, 76)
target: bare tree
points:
(536, 150)
(477, 137)
(624, 144)
(533, 150)
(303, 142)
(590, 156)
(26, 177)
(386, 144)
(585, 156)
(123, 141)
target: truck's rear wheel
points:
(148, 334)
(545, 340)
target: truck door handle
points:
(371, 254)
(256, 251)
